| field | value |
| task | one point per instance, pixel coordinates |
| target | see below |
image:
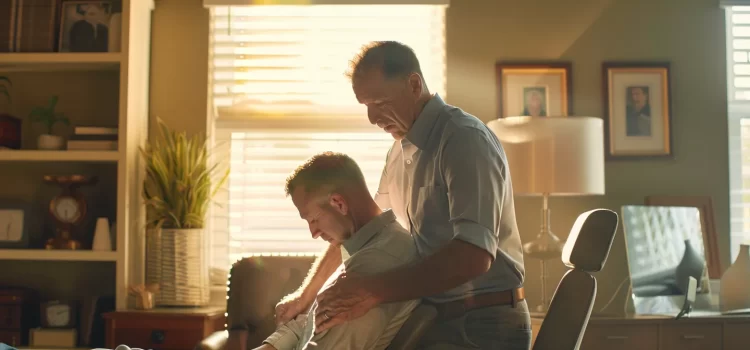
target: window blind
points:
(280, 95)
(738, 94)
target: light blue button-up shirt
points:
(448, 179)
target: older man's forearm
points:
(455, 264)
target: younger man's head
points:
(330, 193)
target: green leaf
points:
(52, 102)
(179, 183)
(6, 79)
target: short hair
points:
(327, 169)
(394, 59)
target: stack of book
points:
(93, 138)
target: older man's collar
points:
(420, 132)
(368, 231)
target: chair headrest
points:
(590, 240)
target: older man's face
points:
(391, 103)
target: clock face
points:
(58, 315)
(66, 209)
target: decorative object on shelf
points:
(68, 209)
(15, 218)
(735, 284)
(552, 157)
(534, 89)
(10, 126)
(637, 109)
(93, 138)
(144, 295)
(708, 227)
(48, 116)
(35, 27)
(102, 239)
(19, 311)
(84, 26)
(179, 186)
(58, 314)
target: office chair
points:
(585, 252)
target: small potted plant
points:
(48, 116)
(10, 126)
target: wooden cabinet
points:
(625, 337)
(163, 329)
(663, 333)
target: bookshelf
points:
(110, 84)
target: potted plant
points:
(178, 188)
(48, 116)
(10, 126)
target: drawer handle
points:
(693, 337)
(157, 337)
(617, 337)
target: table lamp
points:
(560, 156)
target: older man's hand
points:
(347, 299)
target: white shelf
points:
(59, 61)
(56, 255)
(58, 156)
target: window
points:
(738, 71)
(280, 95)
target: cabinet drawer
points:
(736, 336)
(158, 339)
(691, 337)
(620, 337)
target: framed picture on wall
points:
(534, 89)
(637, 109)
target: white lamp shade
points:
(554, 156)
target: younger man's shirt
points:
(379, 246)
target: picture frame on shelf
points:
(637, 109)
(536, 89)
(84, 26)
(708, 225)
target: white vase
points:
(176, 261)
(735, 283)
(50, 142)
(102, 240)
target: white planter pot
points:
(50, 142)
(176, 261)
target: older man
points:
(447, 180)
(330, 193)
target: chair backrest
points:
(585, 251)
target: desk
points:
(705, 332)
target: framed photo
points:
(708, 225)
(84, 26)
(534, 89)
(637, 109)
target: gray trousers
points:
(495, 327)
